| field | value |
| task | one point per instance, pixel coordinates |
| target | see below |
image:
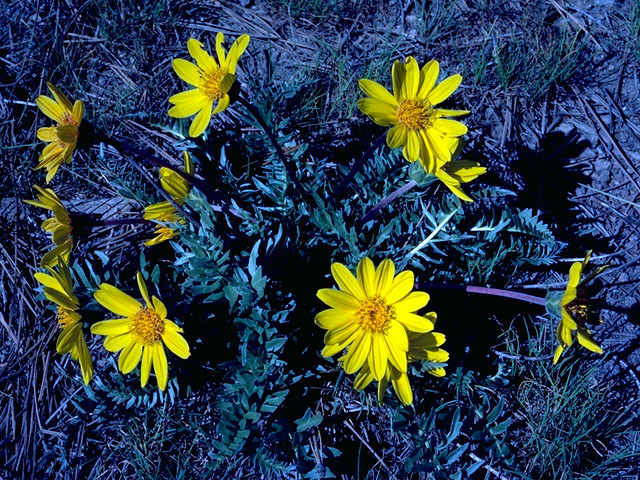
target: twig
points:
(366, 444)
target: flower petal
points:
(145, 368)
(411, 79)
(201, 122)
(585, 339)
(367, 276)
(237, 49)
(444, 89)
(160, 365)
(415, 323)
(204, 60)
(377, 91)
(112, 327)
(176, 343)
(357, 353)
(401, 287)
(381, 113)
(130, 357)
(384, 277)
(117, 342)
(187, 71)
(428, 76)
(450, 127)
(397, 136)
(378, 356)
(50, 108)
(346, 281)
(397, 77)
(143, 289)
(401, 386)
(116, 300)
(332, 319)
(412, 302)
(337, 299)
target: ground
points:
(553, 90)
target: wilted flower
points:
(58, 287)
(164, 212)
(212, 81)
(59, 226)
(370, 315)
(418, 127)
(63, 137)
(576, 312)
(141, 333)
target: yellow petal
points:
(401, 287)
(378, 92)
(357, 353)
(332, 319)
(397, 356)
(585, 339)
(160, 366)
(48, 134)
(397, 77)
(143, 289)
(438, 145)
(201, 122)
(367, 276)
(337, 299)
(204, 60)
(378, 356)
(78, 111)
(159, 307)
(130, 357)
(428, 76)
(444, 89)
(68, 337)
(60, 97)
(145, 367)
(412, 146)
(346, 281)
(343, 335)
(117, 342)
(412, 302)
(415, 323)
(176, 343)
(219, 50)
(84, 358)
(364, 378)
(50, 108)
(116, 301)
(112, 327)
(401, 386)
(381, 113)
(187, 71)
(556, 355)
(411, 79)
(222, 105)
(397, 136)
(237, 49)
(384, 277)
(450, 127)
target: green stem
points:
(507, 294)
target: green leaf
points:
(308, 421)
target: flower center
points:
(148, 327)
(67, 119)
(415, 114)
(374, 314)
(210, 83)
(64, 319)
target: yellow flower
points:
(212, 81)
(456, 172)
(418, 127)
(59, 226)
(575, 312)
(422, 346)
(140, 333)
(62, 138)
(370, 315)
(58, 287)
(164, 212)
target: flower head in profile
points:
(140, 333)
(370, 316)
(63, 137)
(418, 126)
(58, 287)
(456, 172)
(212, 80)
(576, 312)
(59, 226)
(164, 212)
(422, 346)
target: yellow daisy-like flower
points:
(422, 346)
(418, 127)
(456, 172)
(212, 80)
(370, 315)
(58, 287)
(140, 333)
(164, 212)
(575, 312)
(59, 226)
(62, 138)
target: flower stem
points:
(496, 292)
(386, 200)
(272, 138)
(357, 166)
(507, 294)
